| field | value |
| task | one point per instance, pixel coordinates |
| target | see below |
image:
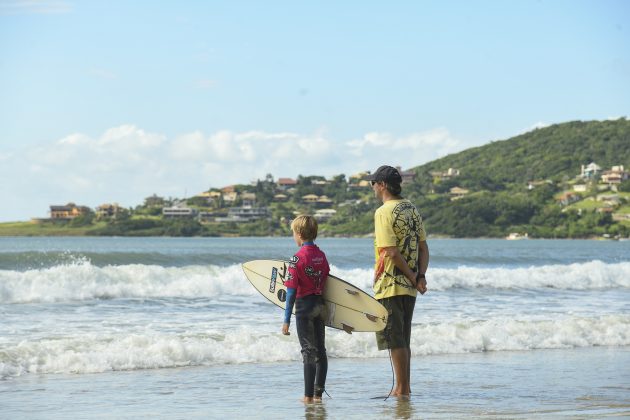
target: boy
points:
(306, 276)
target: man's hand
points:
(285, 329)
(421, 285)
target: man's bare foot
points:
(307, 400)
(317, 399)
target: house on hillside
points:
(444, 175)
(407, 176)
(244, 214)
(154, 201)
(590, 171)
(323, 215)
(67, 212)
(310, 198)
(229, 197)
(324, 202)
(616, 175)
(179, 210)
(568, 198)
(284, 184)
(106, 211)
(457, 193)
(249, 199)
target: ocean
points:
(171, 328)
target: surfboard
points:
(348, 308)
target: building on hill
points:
(249, 199)
(616, 175)
(457, 193)
(154, 201)
(285, 184)
(230, 197)
(244, 214)
(324, 201)
(354, 179)
(323, 215)
(444, 175)
(568, 198)
(590, 171)
(179, 210)
(67, 212)
(407, 176)
(280, 198)
(310, 198)
(106, 211)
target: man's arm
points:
(394, 254)
(423, 264)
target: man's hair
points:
(393, 188)
(305, 226)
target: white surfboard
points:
(348, 307)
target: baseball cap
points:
(386, 173)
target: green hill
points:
(547, 153)
(496, 176)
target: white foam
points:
(592, 275)
(83, 281)
(92, 353)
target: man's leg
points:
(400, 360)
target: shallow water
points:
(578, 383)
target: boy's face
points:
(297, 238)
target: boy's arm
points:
(291, 293)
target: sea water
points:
(171, 328)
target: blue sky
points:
(113, 101)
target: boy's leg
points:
(306, 335)
(322, 358)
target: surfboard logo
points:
(282, 295)
(272, 282)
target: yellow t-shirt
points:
(397, 223)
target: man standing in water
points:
(402, 258)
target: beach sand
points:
(586, 383)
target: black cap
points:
(386, 173)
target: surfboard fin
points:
(371, 317)
(347, 328)
(352, 292)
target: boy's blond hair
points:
(305, 226)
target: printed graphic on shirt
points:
(407, 227)
(401, 223)
(293, 261)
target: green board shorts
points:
(397, 332)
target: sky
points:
(113, 101)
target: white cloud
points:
(126, 163)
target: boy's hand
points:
(285, 329)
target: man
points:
(402, 258)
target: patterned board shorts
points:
(397, 332)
